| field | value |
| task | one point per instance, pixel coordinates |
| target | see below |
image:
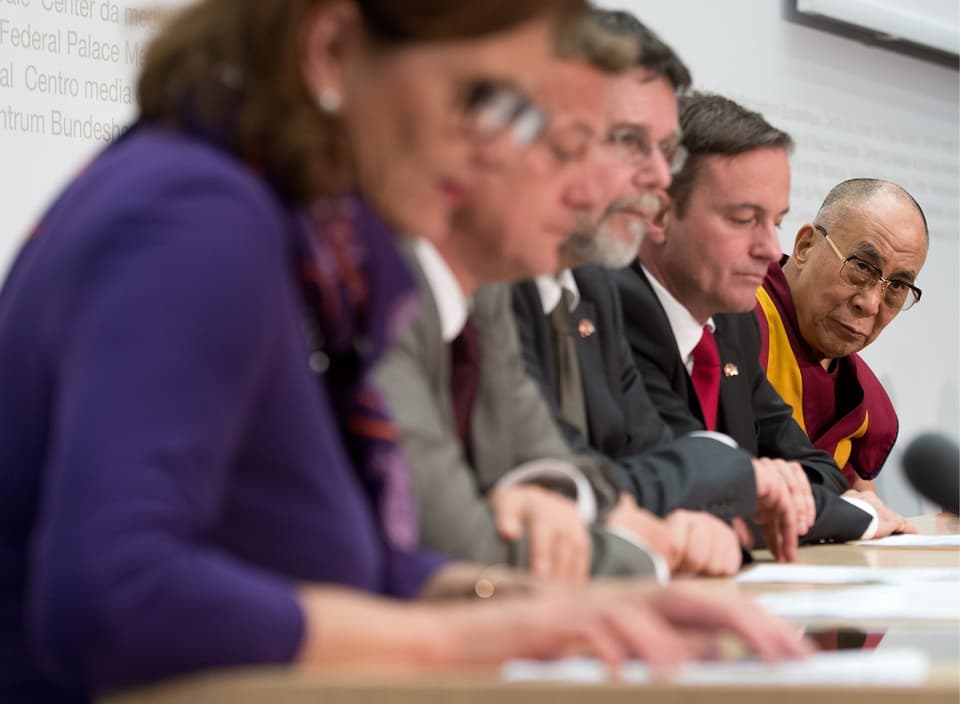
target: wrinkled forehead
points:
(887, 225)
(571, 91)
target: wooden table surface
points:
(281, 686)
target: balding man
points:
(852, 270)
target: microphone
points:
(932, 464)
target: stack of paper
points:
(776, 573)
(907, 667)
(913, 541)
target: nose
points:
(767, 243)
(589, 187)
(866, 301)
(655, 173)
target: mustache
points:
(643, 206)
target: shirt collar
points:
(452, 306)
(551, 289)
(686, 330)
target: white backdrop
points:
(853, 110)
(67, 69)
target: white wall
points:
(853, 110)
(67, 71)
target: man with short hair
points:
(852, 270)
(469, 416)
(688, 303)
(571, 328)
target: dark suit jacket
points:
(750, 410)
(662, 472)
(510, 424)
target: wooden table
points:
(281, 686)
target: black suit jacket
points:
(750, 410)
(661, 471)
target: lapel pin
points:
(585, 328)
(730, 369)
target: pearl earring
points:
(329, 100)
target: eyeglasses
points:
(897, 294)
(493, 107)
(633, 145)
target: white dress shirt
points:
(453, 306)
(551, 290)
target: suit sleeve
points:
(455, 517)
(535, 432)
(670, 473)
(778, 435)
(680, 471)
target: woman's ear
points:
(330, 33)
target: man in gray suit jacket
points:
(464, 498)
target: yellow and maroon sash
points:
(847, 412)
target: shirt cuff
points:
(874, 518)
(661, 571)
(714, 435)
(560, 475)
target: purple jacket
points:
(170, 467)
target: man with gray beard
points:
(574, 344)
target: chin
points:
(434, 229)
(542, 267)
(741, 304)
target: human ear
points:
(657, 231)
(330, 32)
(806, 238)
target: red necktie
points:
(706, 377)
(464, 379)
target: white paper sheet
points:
(915, 601)
(776, 573)
(907, 667)
(913, 541)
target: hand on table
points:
(785, 506)
(559, 540)
(890, 522)
(706, 545)
(691, 542)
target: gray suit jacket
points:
(510, 424)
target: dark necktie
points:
(706, 376)
(464, 379)
(569, 383)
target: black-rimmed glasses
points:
(859, 273)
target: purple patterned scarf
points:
(359, 294)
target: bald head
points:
(856, 192)
(877, 225)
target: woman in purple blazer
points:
(196, 472)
